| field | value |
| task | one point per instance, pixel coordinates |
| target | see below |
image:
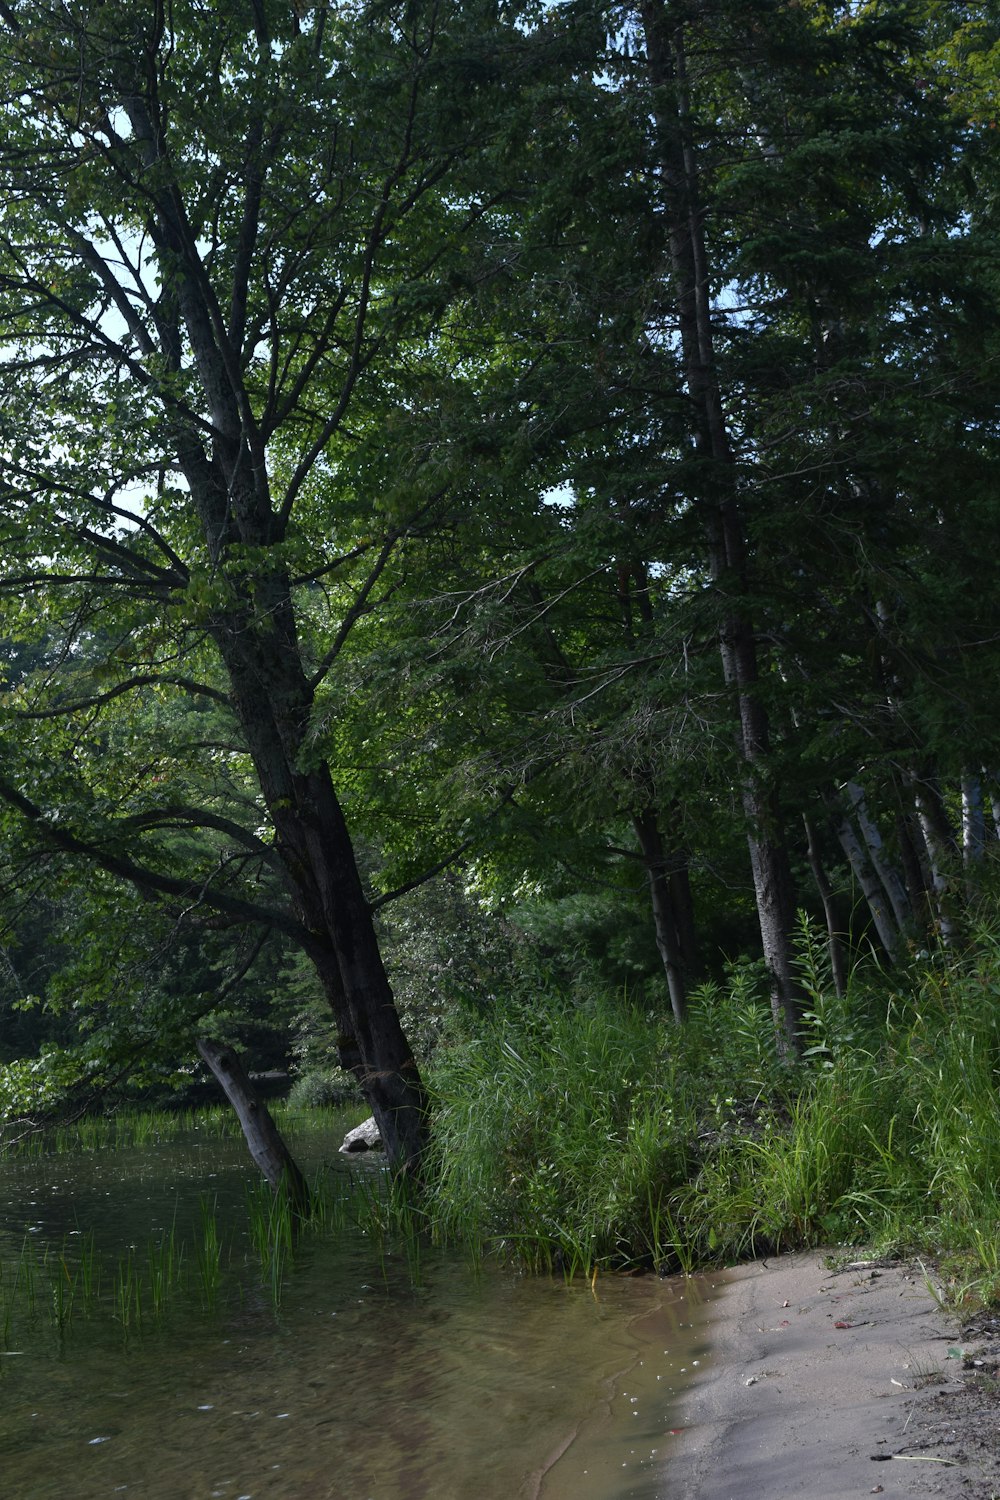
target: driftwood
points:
(364, 1137)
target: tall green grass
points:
(558, 1136)
(123, 1129)
(597, 1135)
(569, 1136)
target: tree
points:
(756, 287)
(301, 321)
(228, 236)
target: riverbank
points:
(836, 1384)
(575, 1137)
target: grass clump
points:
(576, 1136)
(560, 1135)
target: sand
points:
(835, 1384)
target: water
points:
(361, 1384)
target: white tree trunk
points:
(936, 860)
(874, 891)
(891, 880)
(973, 820)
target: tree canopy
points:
(561, 439)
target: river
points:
(370, 1377)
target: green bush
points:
(323, 1088)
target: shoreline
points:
(836, 1384)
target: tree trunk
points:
(835, 946)
(891, 881)
(273, 702)
(251, 621)
(938, 878)
(262, 1136)
(939, 843)
(257, 640)
(912, 857)
(666, 62)
(973, 819)
(664, 917)
(679, 881)
(872, 887)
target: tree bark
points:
(835, 946)
(912, 856)
(939, 843)
(262, 1135)
(973, 819)
(316, 851)
(664, 916)
(891, 882)
(253, 627)
(871, 886)
(679, 880)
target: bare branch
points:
(199, 817)
(360, 607)
(422, 879)
(506, 800)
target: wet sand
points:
(834, 1385)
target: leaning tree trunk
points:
(912, 859)
(262, 1135)
(874, 892)
(243, 591)
(316, 850)
(668, 940)
(827, 895)
(252, 625)
(666, 62)
(254, 631)
(941, 850)
(892, 882)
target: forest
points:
(497, 601)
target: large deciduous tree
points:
(227, 239)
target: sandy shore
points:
(831, 1385)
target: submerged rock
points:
(364, 1137)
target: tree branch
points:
(131, 684)
(357, 609)
(145, 879)
(198, 817)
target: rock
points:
(364, 1137)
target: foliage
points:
(563, 1140)
(554, 1132)
(235, 298)
(546, 448)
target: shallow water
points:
(359, 1385)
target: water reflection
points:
(360, 1386)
